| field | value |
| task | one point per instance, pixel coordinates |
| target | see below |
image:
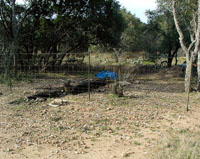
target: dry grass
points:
(183, 144)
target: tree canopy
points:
(161, 25)
(61, 26)
(47, 24)
(132, 36)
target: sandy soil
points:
(104, 127)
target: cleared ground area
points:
(150, 121)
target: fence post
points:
(89, 87)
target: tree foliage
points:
(61, 26)
(161, 25)
(132, 36)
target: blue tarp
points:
(107, 75)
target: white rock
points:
(58, 102)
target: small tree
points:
(192, 49)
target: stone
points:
(58, 102)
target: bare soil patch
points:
(105, 126)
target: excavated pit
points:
(75, 87)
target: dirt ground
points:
(104, 127)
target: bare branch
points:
(191, 45)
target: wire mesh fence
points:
(74, 72)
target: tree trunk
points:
(188, 75)
(198, 72)
(176, 57)
(171, 55)
(169, 61)
(187, 50)
(175, 53)
(197, 47)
